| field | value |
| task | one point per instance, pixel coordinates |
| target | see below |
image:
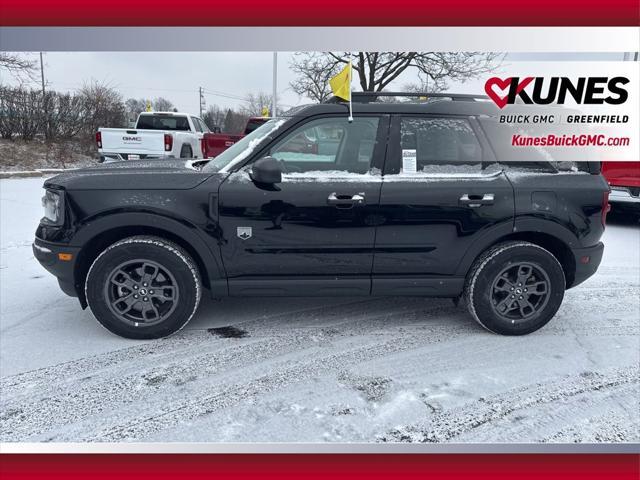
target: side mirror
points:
(266, 170)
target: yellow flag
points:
(265, 111)
(341, 83)
(148, 106)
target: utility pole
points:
(203, 103)
(44, 100)
(42, 73)
(274, 97)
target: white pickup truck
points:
(156, 134)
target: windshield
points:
(242, 149)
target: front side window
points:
(439, 145)
(329, 145)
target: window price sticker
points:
(409, 163)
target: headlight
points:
(53, 207)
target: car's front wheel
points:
(515, 288)
(143, 287)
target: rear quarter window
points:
(439, 145)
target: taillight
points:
(99, 139)
(605, 207)
(203, 147)
(168, 142)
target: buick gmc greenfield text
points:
(412, 198)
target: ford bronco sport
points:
(412, 198)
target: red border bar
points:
(325, 13)
(321, 466)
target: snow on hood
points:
(172, 174)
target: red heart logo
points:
(503, 85)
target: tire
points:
(186, 152)
(498, 281)
(144, 267)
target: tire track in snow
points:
(279, 375)
(450, 425)
(26, 414)
(347, 319)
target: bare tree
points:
(17, 65)
(135, 107)
(234, 122)
(314, 70)
(102, 107)
(161, 104)
(65, 115)
(254, 103)
(214, 117)
(28, 114)
(377, 70)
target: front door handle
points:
(475, 201)
(345, 201)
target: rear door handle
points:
(475, 201)
(345, 201)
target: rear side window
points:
(438, 145)
(163, 122)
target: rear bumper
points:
(107, 157)
(623, 195)
(587, 262)
(48, 254)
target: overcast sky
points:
(178, 75)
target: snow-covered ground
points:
(300, 369)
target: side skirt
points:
(344, 286)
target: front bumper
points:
(49, 256)
(587, 262)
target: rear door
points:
(313, 233)
(441, 191)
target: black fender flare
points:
(109, 221)
(520, 226)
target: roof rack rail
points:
(369, 97)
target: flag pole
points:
(274, 95)
(350, 119)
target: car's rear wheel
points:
(143, 287)
(515, 288)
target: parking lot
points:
(316, 369)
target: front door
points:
(313, 233)
(441, 191)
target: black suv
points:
(415, 198)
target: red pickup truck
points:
(213, 144)
(624, 179)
